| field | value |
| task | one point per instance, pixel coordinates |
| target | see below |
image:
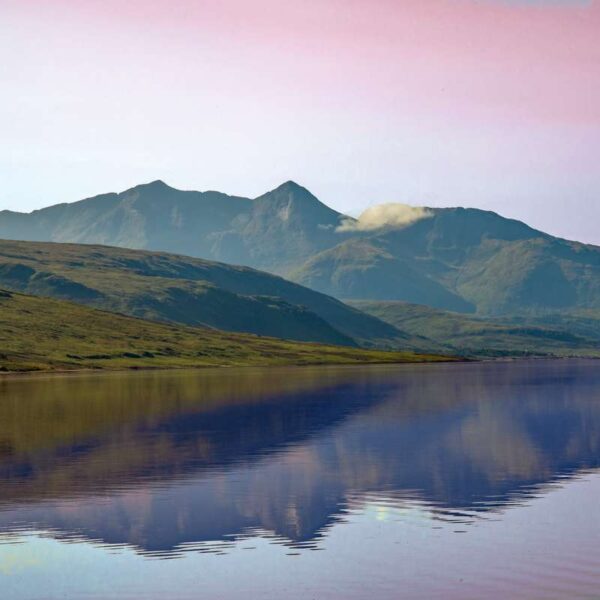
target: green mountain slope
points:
(174, 288)
(366, 269)
(461, 260)
(47, 334)
(275, 231)
(464, 260)
(470, 336)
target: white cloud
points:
(386, 215)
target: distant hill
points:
(166, 287)
(477, 337)
(46, 334)
(464, 260)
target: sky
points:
(493, 104)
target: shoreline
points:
(137, 369)
(5, 375)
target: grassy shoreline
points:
(47, 335)
(150, 369)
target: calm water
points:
(451, 481)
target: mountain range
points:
(462, 260)
(284, 265)
(275, 232)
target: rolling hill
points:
(46, 334)
(470, 336)
(165, 287)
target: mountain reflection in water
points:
(163, 462)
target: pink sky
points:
(490, 103)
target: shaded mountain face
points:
(284, 225)
(166, 287)
(463, 260)
(272, 232)
(147, 216)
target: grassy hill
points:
(471, 336)
(46, 334)
(173, 288)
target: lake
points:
(447, 481)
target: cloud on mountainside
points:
(385, 215)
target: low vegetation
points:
(554, 336)
(47, 334)
(179, 289)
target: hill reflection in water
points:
(163, 462)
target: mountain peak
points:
(156, 185)
(291, 193)
(291, 184)
(291, 187)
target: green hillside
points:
(463, 260)
(179, 289)
(477, 337)
(366, 269)
(46, 334)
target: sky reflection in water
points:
(377, 470)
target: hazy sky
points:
(487, 103)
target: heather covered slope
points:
(471, 336)
(190, 291)
(46, 334)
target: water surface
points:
(450, 481)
